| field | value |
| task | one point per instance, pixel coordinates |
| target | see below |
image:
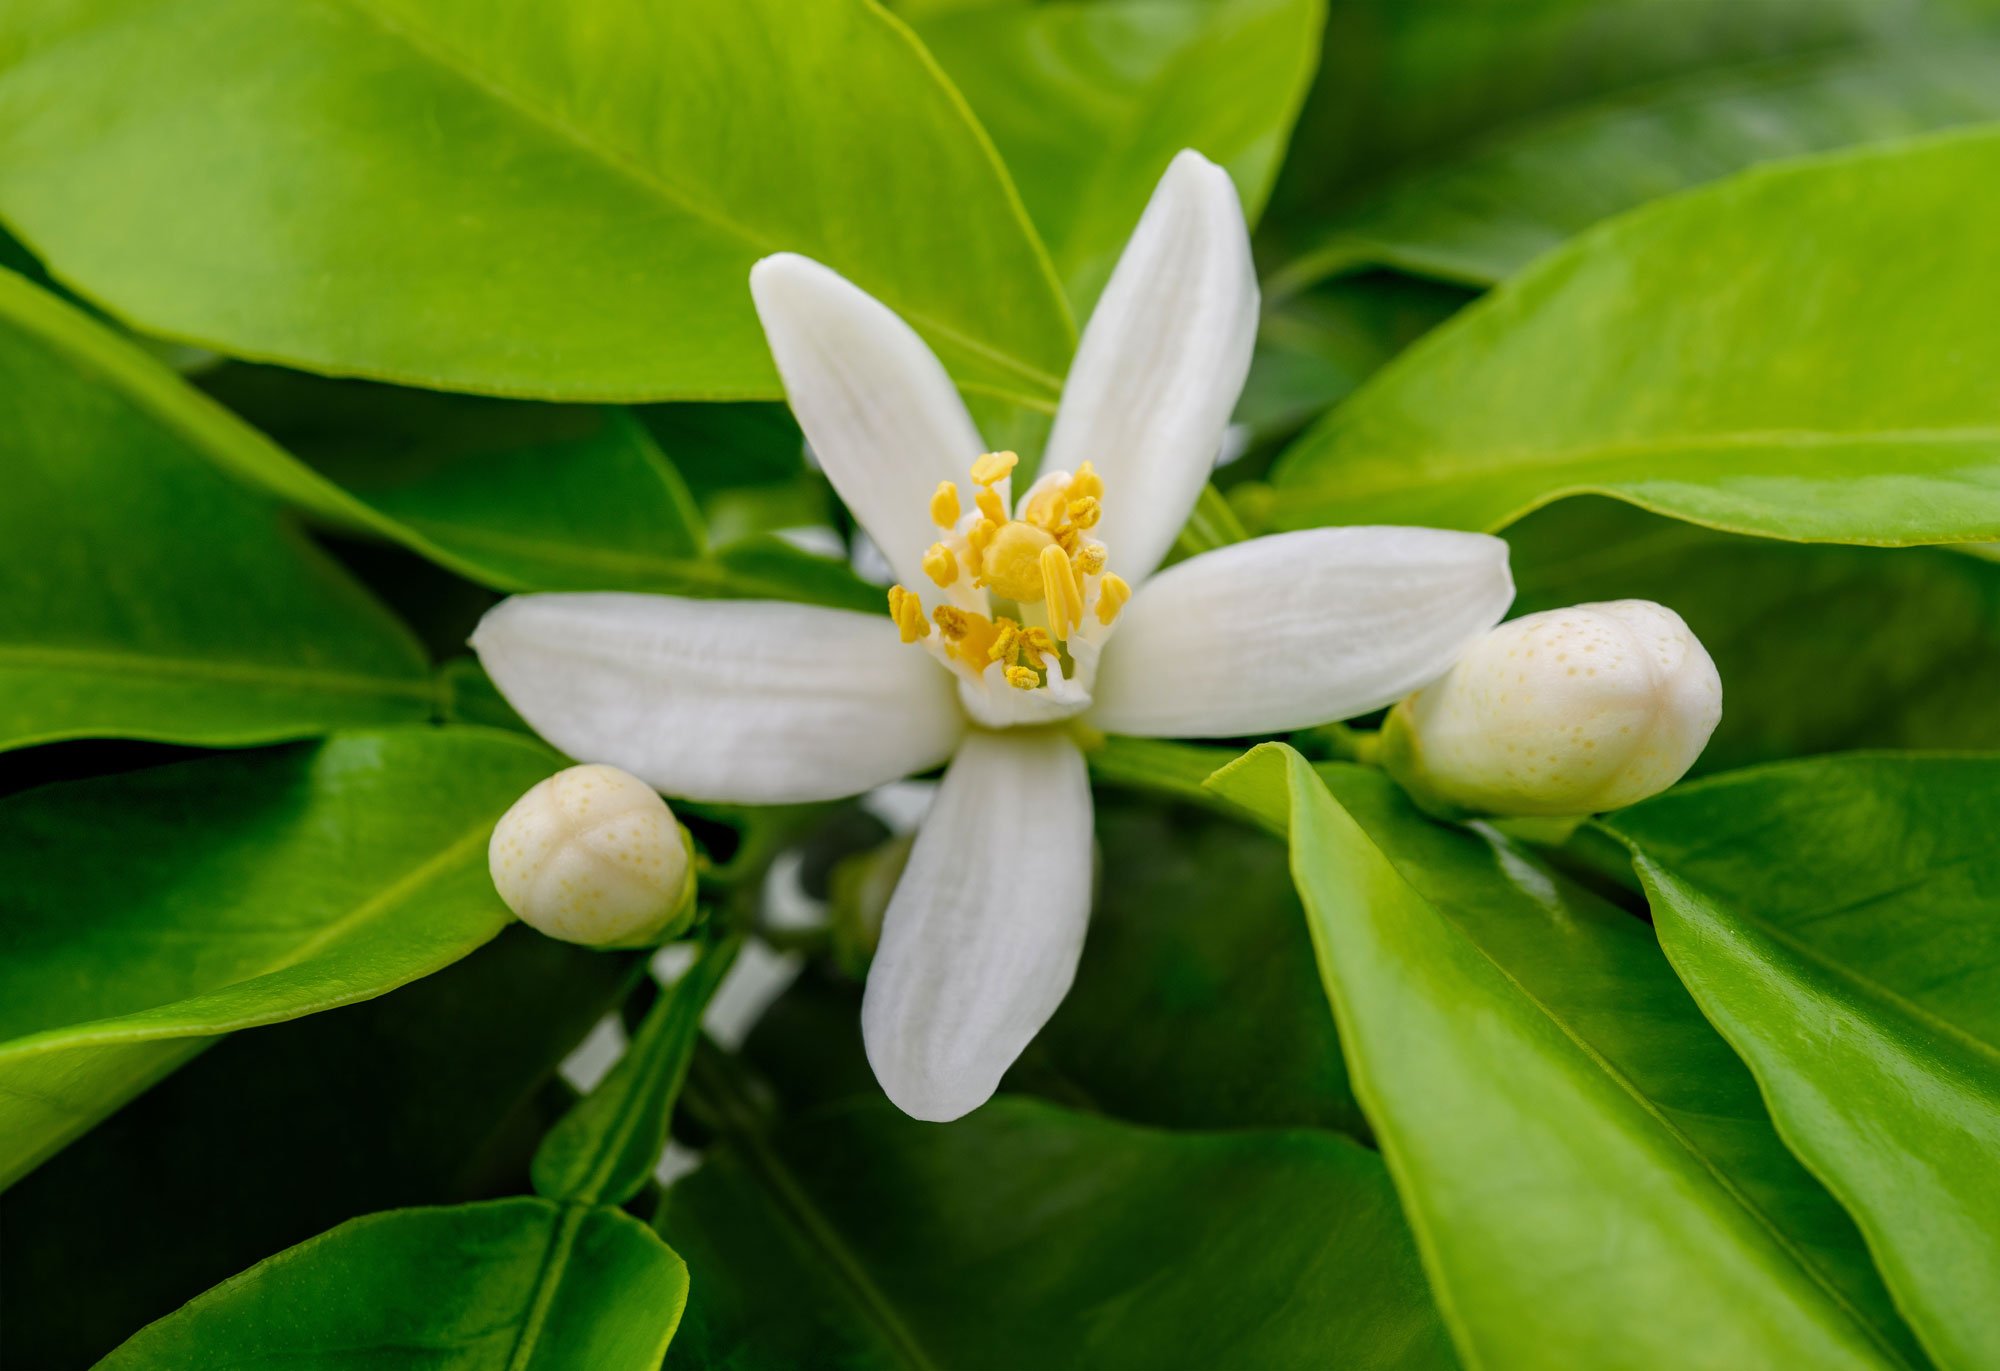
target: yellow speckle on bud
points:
(591, 855)
(1111, 597)
(1011, 563)
(1085, 513)
(908, 612)
(1059, 588)
(944, 505)
(994, 467)
(940, 565)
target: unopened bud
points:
(592, 855)
(1564, 713)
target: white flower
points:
(1014, 615)
(592, 855)
(1560, 714)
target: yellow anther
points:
(1059, 588)
(1086, 484)
(1004, 642)
(993, 467)
(1011, 565)
(1045, 507)
(1035, 643)
(1021, 678)
(1088, 559)
(955, 622)
(1112, 593)
(940, 565)
(944, 505)
(1085, 513)
(989, 504)
(908, 612)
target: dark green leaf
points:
(524, 199)
(1589, 1170)
(1088, 102)
(147, 914)
(1025, 1235)
(1766, 355)
(508, 1285)
(1835, 919)
(605, 1148)
(1780, 620)
(142, 594)
(436, 1093)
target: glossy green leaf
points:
(1591, 1175)
(142, 594)
(509, 1285)
(1779, 619)
(859, 1238)
(605, 1149)
(1405, 84)
(1492, 211)
(1765, 355)
(1835, 919)
(436, 1093)
(1088, 102)
(560, 201)
(148, 913)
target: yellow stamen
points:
(1064, 596)
(1035, 643)
(908, 612)
(978, 536)
(1021, 678)
(944, 505)
(955, 622)
(1004, 642)
(1045, 508)
(1112, 594)
(940, 565)
(1085, 513)
(1010, 563)
(990, 505)
(993, 467)
(1086, 484)
(1089, 559)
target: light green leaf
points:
(1835, 919)
(1592, 1178)
(149, 913)
(1766, 355)
(508, 1285)
(516, 198)
(605, 1149)
(1490, 212)
(860, 1238)
(1088, 102)
(436, 1093)
(142, 594)
(1779, 619)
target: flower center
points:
(1044, 561)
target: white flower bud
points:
(592, 855)
(1559, 714)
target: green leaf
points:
(510, 1285)
(1835, 919)
(524, 199)
(1591, 1175)
(145, 595)
(1765, 355)
(436, 1093)
(1088, 102)
(151, 912)
(1490, 212)
(604, 1150)
(1779, 619)
(860, 1238)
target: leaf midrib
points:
(120, 661)
(433, 49)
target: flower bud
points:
(592, 855)
(1559, 714)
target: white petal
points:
(1297, 629)
(875, 404)
(1161, 363)
(982, 936)
(745, 702)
